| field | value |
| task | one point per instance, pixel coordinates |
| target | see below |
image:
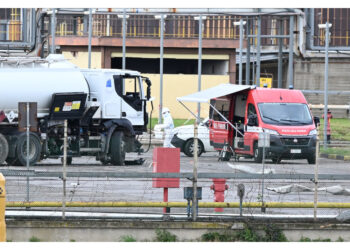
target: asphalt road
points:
(121, 189)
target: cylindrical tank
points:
(37, 85)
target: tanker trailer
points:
(105, 111)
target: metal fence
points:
(286, 189)
(176, 26)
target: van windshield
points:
(285, 113)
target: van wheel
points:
(4, 148)
(117, 148)
(189, 148)
(34, 149)
(258, 155)
(312, 159)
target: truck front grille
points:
(293, 141)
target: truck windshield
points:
(285, 113)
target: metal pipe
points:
(90, 37)
(291, 49)
(194, 11)
(53, 31)
(27, 155)
(247, 66)
(270, 36)
(179, 204)
(199, 64)
(201, 175)
(258, 63)
(124, 40)
(326, 88)
(280, 55)
(64, 174)
(195, 176)
(161, 68)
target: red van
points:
(237, 119)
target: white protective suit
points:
(168, 126)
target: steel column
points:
(161, 67)
(247, 66)
(124, 38)
(326, 87)
(199, 64)
(291, 49)
(53, 31)
(280, 54)
(240, 51)
(258, 63)
(90, 37)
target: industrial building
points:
(281, 46)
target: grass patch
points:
(334, 150)
(340, 129)
(177, 122)
(306, 239)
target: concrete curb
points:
(336, 157)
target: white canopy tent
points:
(205, 96)
(221, 90)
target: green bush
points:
(215, 236)
(272, 234)
(34, 239)
(165, 236)
(128, 238)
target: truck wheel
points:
(276, 160)
(312, 159)
(4, 148)
(189, 148)
(117, 148)
(34, 149)
(258, 155)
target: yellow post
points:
(2, 209)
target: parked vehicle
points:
(239, 114)
(105, 109)
(183, 138)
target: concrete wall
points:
(80, 58)
(309, 74)
(113, 230)
(179, 85)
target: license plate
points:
(295, 151)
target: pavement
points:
(156, 142)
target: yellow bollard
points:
(2, 209)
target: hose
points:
(150, 128)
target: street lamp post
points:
(325, 26)
(240, 23)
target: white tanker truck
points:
(105, 110)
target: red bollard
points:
(219, 188)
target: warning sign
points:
(265, 81)
(76, 105)
(67, 106)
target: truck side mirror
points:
(317, 121)
(149, 84)
(252, 120)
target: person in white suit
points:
(168, 126)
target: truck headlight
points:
(271, 131)
(313, 132)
